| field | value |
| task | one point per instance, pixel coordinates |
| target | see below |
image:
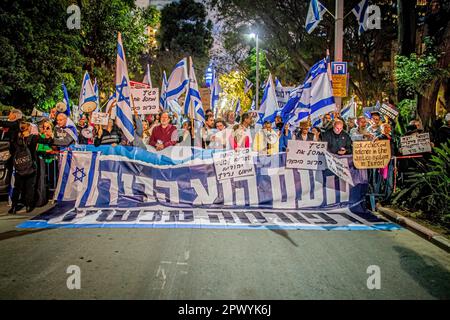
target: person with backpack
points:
(24, 162)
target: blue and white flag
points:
(247, 86)
(124, 114)
(316, 95)
(269, 103)
(360, 11)
(71, 129)
(253, 106)
(76, 177)
(237, 111)
(147, 77)
(193, 106)
(66, 100)
(111, 105)
(87, 93)
(316, 122)
(215, 90)
(348, 111)
(97, 95)
(178, 81)
(162, 97)
(278, 83)
(315, 13)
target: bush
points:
(429, 189)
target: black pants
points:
(24, 187)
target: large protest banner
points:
(109, 187)
(371, 155)
(307, 155)
(416, 143)
(146, 101)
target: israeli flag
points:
(124, 114)
(66, 100)
(97, 95)
(278, 83)
(178, 81)
(253, 106)
(87, 90)
(162, 97)
(316, 123)
(110, 105)
(237, 111)
(316, 95)
(71, 129)
(360, 11)
(269, 103)
(78, 169)
(193, 106)
(215, 90)
(315, 13)
(147, 77)
(349, 109)
(247, 85)
(289, 108)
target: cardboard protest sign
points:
(388, 111)
(306, 155)
(233, 164)
(339, 166)
(416, 143)
(146, 101)
(371, 155)
(100, 118)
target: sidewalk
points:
(424, 232)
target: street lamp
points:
(255, 35)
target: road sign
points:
(339, 68)
(340, 78)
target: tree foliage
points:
(40, 51)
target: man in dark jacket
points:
(339, 141)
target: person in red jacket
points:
(164, 135)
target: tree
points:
(38, 52)
(185, 31)
(291, 50)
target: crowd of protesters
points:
(34, 144)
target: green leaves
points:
(429, 190)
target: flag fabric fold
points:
(193, 106)
(124, 113)
(315, 13)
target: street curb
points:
(434, 237)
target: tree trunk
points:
(426, 104)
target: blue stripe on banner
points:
(65, 176)
(125, 121)
(43, 224)
(176, 90)
(91, 177)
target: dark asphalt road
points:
(217, 264)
